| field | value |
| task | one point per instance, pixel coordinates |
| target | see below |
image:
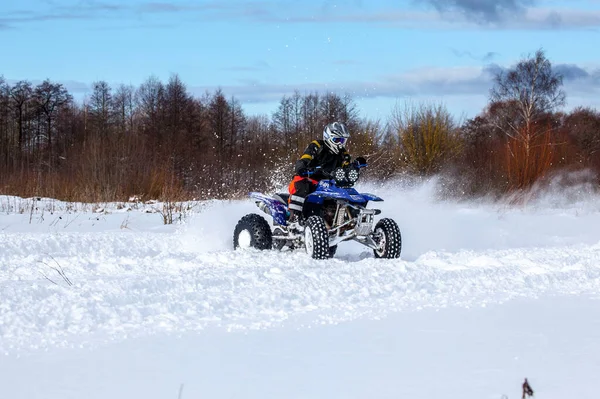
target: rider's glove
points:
(304, 172)
(359, 162)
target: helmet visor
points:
(339, 140)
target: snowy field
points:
(106, 301)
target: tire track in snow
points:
(129, 285)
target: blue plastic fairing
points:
(277, 208)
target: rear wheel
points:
(387, 235)
(316, 239)
(252, 231)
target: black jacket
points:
(318, 154)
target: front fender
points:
(349, 195)
(371, 197)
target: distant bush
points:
(427, 137)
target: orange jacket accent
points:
(292, 186)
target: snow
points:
(105, 301)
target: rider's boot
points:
(294, 216)
(294, 220)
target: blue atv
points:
(335, 212)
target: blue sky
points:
(383, 52)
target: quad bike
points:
(334, 213)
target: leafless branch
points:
(58, 269)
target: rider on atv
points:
(325, 208)
(328, 154)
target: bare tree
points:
(6, 141)
(219, 116)
(284, 123)
(149, 99)
(177, 104)
(101, 107)
(21, 95)
(50, 97)
(533, 87)
(534, 91)
(237, 124)
(341, 109)
(313, 123)
(297, 120)
(123, 108)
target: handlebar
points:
(316, 169)
(330, 174)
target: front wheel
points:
(316, 238)
(252, 231)
(387, 235)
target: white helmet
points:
(336, 136)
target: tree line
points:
(157, 141)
